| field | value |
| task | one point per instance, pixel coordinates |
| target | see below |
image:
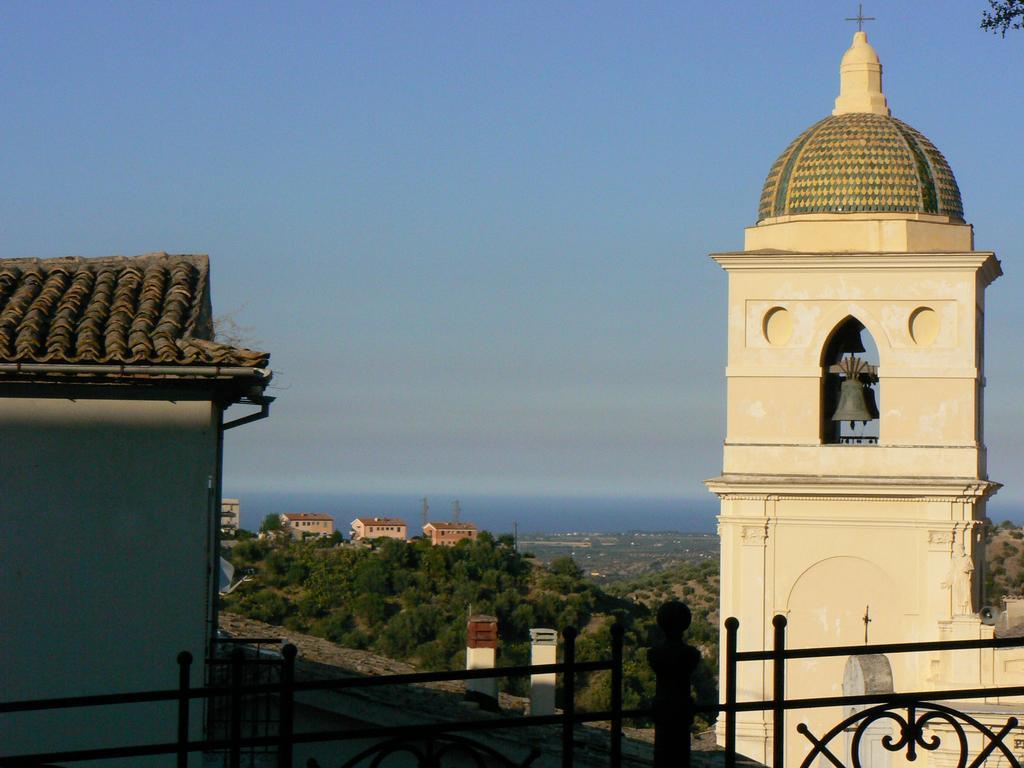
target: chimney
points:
(1014, 614)
(481, 648)
(543, 650)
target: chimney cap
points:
(543, 636)
(482, 632)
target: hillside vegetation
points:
(410, 601)
(693, 583)
(1004, 562)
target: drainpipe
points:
(481, 650)
(543, 650)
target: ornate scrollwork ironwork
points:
(912, 727)
(429, 753)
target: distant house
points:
(365, 528)
(298, 524)
(230, 514)
(113, 400)
(449, 534)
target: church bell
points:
(855, 404)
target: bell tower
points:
(858, 297)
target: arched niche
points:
(850, 346)
(836, 601)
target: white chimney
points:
(543, 650)
(1014, 614)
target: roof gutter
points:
(264, 411)
(212, 371)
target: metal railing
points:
(238, 663)
(922, 707)
(230, 735)
(672, 709)
(857, 440)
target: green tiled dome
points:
(860, 163)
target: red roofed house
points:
(449, 534)
(299, 523)
(378, 527)
(113, 393)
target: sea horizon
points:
(495, 513)
(500, 513)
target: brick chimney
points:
(543, 650)
(481, 649)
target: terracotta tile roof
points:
(379, 521)
(452, 526)
(307, 516)
(129, 310)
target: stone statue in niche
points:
(963, 579)
(960, 581)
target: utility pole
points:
(456, 511)
(426, 510)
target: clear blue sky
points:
(474, 236)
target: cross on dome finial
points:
(860, 18)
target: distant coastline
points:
(498, 514)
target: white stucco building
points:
(113, 396)
(230, 515)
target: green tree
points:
(270, 523)
(336, 626)
(265, 605)
(566, 566)
(408, 600)
(371, 609)
(1003, 15)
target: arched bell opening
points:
(850, 392)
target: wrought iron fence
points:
(236, 664)
(910, 714)
(258, 713)
(238, 714)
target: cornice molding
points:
(984, 262)
(929, 525)
(909, 489)
(839, 447)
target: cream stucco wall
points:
(929, 385)
(109, 515)
(824, 534)
(852, 232)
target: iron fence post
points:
(235, 754)
(184, 667)
(673, 664)
(732, 626)
(615, 756)
(568, 694)
(779, 692)
(286, 703)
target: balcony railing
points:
(672, 711)
(858, 440)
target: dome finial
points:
(860, 78)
